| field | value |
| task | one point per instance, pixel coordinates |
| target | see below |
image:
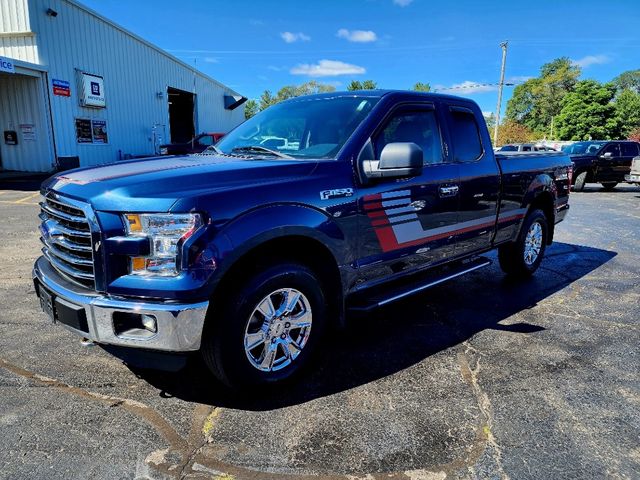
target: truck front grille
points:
(66, 235)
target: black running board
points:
(383, 296)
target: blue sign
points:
(6, 65)
(61, 87)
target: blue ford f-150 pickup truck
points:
(249, 254)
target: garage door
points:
(23, 111)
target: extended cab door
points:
(406, 223)
(608, 164)
(479, 178)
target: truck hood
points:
(154, 185)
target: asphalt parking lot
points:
(478, 378)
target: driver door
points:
(406, 223)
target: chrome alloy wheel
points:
(533, 243)
(278, 329)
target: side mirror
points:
(397, 160)
(607, 155)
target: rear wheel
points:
(268, 329)
(522, 257)
(609, 185)
(579, 182)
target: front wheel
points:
(268, 328)
(609, 185)
(522, 257)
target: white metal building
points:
(74, 84)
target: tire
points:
(240, 319)
(515, 259)
(579, 182)
(609, 185)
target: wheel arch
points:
(545, 201)
(299, 248)
(282, 232)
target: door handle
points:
(449, 191)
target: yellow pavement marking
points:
(22, 200)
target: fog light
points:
(149, 323)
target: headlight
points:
(166, 233)
(164, 151)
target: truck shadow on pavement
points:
(403, 334)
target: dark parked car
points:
(604, 162)
(251, 253)
(525, 147)
(197, 145)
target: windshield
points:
(313, 127)
(509, 148)
(583, 148)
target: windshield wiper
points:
(212, 148)
(260, 149)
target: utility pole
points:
(503, 45)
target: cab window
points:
(465, 135)
(419, 127)
(612, 148)
(630, 149)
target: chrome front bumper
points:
(179, 326)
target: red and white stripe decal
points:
(397, 225)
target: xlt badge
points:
(336, 193)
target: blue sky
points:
(257, 45)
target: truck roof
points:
(382, 93)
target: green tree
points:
(629, 80)
(588, 112)
(369, 85)
(267, 99)
(364, 85)
(490, 120)
(535, 102)
(250, 108)
(422, 87)
(627, 107)
(289, 91)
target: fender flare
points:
(254, 228)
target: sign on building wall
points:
(92, 91)
(61, 88)
(83, 130)
(99, 130)
(28, 131)
(6, 65)
(91, 131)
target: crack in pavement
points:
(183, 458)
(470, 375)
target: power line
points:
(474, 85)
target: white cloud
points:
(518, 79)
(589, 60)
(402, 3)
(466, 88)
(358, 36)
(486, 113)
(327, 68)
(211, 60)
(291, 37)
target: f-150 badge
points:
(336, 193)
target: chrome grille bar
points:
(66, 236)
